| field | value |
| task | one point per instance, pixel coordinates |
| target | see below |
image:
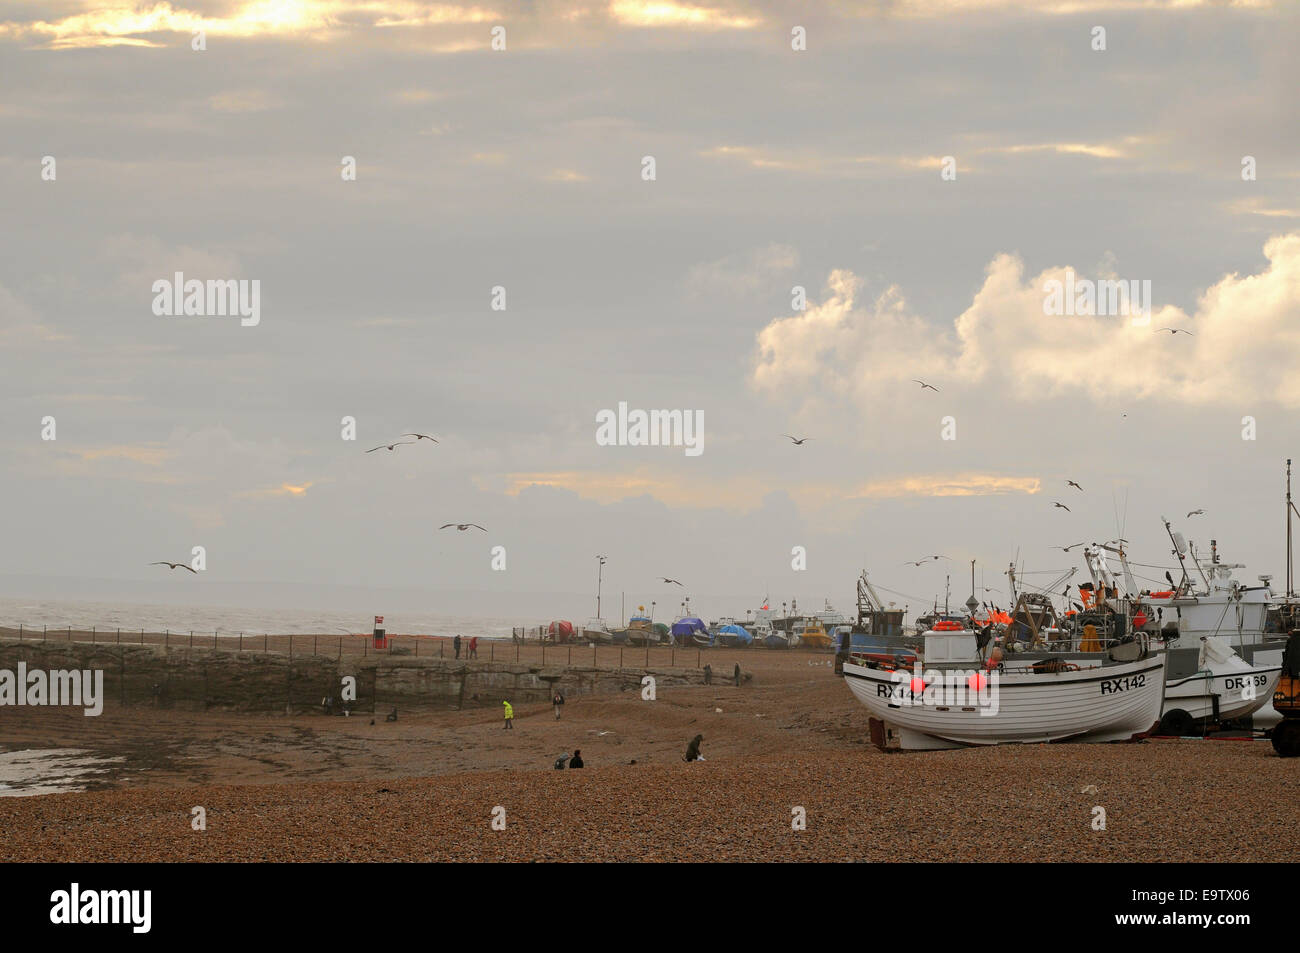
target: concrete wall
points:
(200, 678)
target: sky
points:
(922, 169)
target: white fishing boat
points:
(1218, 647)
(595, 630)
(961, 699)
(1224, 687)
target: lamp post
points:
(600, 570)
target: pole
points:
(1289, 586)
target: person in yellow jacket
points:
(510, 715)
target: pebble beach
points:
(788, 747)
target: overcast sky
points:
(523, 168)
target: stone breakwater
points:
(207, 678)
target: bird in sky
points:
(673, 581)
(390, 446)
(1061, 505)
(462, 526)
(1173, 331)
(176, 566)
(924, 385)
(420, 436)
(1195, 513)
(925, 559)
(1066, 549)
(797, 441)
(1073, 484)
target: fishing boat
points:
(639, 631)
(964, 697)
(1220, 656)
(1223, 687)
(768, 636)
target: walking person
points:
(557, 701)
(510, 715)
(455, 643)
(473, 647)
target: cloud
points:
(744, 274)
(667, 13)
(1243, 326)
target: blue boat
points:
(688, 630)
(734, 636)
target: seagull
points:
(1195, 513)
(1061, 505)
(799, 441)
(176, 566)
(1067, 548)
(390, 446)
(462, 526)
(1073, 484)
(1173, 331)
(673, 581)
(420, 436)
(923, 560)
(924, 385)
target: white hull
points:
(1225, 686)
(1113, 703)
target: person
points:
(576, 760)
(455, 643)
(708, 674)
(557, 701)
(559, 762)
(510, 715)
(473, 647)
(693, 749)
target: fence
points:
(579, 654)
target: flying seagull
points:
(176, 566)
(673, 581)
(924, 385)
(1173, 331)
(797, 441)
(1067, 548)
(1073, 484)
(923, 560)
(390, 446)
(1061, 505)
(420, 436)
(462, 526)
(1195, 513)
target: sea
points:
(227, 621)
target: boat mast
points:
(1289, 582)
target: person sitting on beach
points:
(559, 762)
(576, 761)
(693, 749)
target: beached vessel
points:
(1224, 687)
(732, 635)
(961, 698)
(809, 634)
(595, 630)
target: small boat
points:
(690, 630)
(733, 636)
(766, 635)
(962, 699)
(595, 630)
(640, 631)
(809, 634)
(560, 631)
